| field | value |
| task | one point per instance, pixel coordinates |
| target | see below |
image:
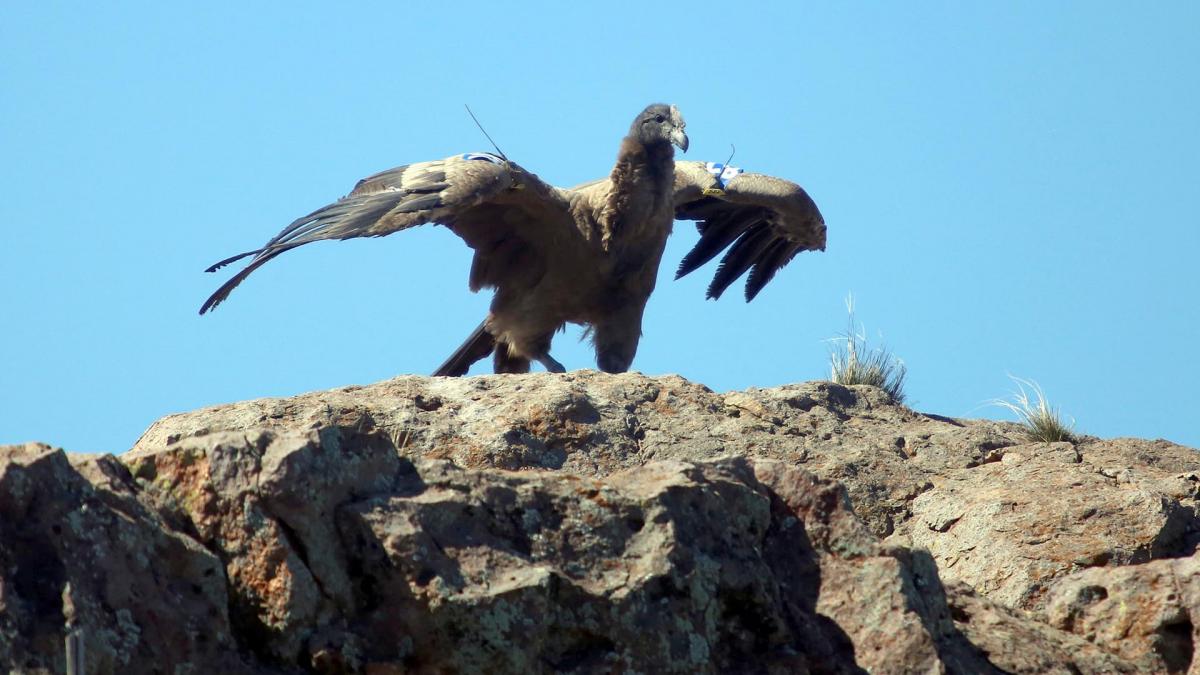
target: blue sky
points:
(1009, 188)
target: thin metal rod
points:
(485, 133)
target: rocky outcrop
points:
(1004, 515)
(596, 523)
(78, 546)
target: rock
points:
(343, 551)
(77, 546)
(1145, 613)
(1004, 515)
(1015, 642)
(1011, 528)
(585, 523)
(343, 556)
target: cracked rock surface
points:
(598, 523)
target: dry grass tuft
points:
(852, 362)
(1042, 421)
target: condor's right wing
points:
(491, 203)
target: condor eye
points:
(659, 118)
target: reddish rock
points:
(78, 546)
(1145, 613)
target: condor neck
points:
(639, 164)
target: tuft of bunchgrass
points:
(1042, 421)
(852, 362)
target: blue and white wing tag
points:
(483, 156)
(723, 174)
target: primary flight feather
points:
(587, 255)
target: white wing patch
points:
(484, 156)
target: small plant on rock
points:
(852, 362)
(1042, 421)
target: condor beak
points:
(679, 138)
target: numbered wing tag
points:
(723, 174)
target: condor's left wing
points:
(760, 221)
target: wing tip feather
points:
(231, 259)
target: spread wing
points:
(497, 207)
(763, 221)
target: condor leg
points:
(478, 344)
(504, 361)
